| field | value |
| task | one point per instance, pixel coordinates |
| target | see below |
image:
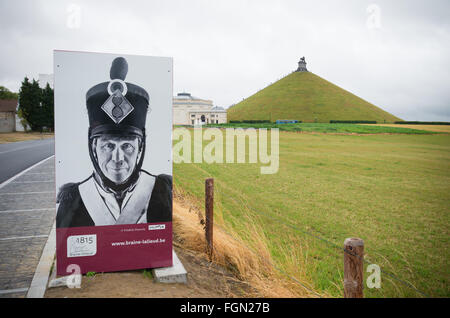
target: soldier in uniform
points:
(119, 191)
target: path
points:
(27, 213)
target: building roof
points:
(217, 108)
(185, 96)
(8, 105)
(188, 97)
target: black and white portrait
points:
(125, 158)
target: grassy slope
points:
(307, 97)
(390, 190)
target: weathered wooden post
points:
(353, 268)
(209, 214)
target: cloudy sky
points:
(395, 54)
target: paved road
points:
(27, 213)
(17, 156)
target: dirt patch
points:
(22, 136)
(205, 280)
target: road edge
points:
(4, 183)
(41, 274)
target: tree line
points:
(7, 94)
(36, 105)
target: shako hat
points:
(117, 107)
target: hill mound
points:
(306, 97)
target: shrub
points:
(353, 122)
(255, 121)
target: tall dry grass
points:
(23, 136)
(250, 261)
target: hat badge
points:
(117, 107)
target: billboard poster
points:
(113, 126)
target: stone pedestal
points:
(302, 65)
(174, 274)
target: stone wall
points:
(7, 121)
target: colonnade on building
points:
(190, 110)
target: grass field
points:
(22, 136)
(434, 128)
(332, 128)
(390, 190)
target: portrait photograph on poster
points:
(113, 121)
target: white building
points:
(190, 110)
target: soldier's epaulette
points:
(167, 179)
(67, 192)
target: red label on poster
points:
(114, 248)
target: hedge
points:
(353, 122)
(250, 122)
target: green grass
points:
(329, 128)
(147, 273)
(306, 97)
(390, 190)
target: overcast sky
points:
(394, 54)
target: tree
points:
(23, 121)
(36, 105)
(30, 103)
(7, 94)
(48, 107)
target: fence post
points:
(353, 268)
(209, 214)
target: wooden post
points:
(353, 268)
(209, 214)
